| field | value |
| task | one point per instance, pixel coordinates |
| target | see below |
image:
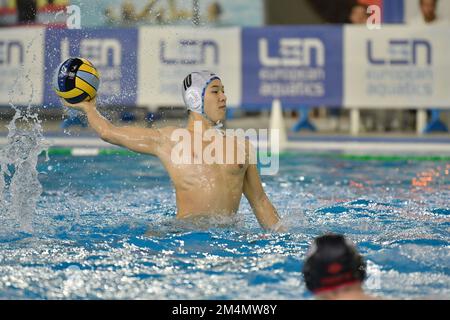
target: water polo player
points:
(334, 270)
(202, 189)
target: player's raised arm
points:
(76, 81)
(142, 140)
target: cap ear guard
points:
(193, 100)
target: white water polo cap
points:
(193, 89)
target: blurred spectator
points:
(214, 13)
(176, 14)
(358, 14)
(429, 16)
(3, 6)
(160, 16)
(110, 17)
(26, 11)
(170, 13)
(129, 15)
(212, 17)
(334, 269)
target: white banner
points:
(21, 65)
(397, 66)
(167, 55)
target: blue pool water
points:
(88, 238)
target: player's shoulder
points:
(165, 134)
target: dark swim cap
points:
(332, 262)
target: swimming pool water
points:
(88, 239)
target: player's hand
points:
(82, 106)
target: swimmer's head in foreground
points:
(204, 94)
(334, 269)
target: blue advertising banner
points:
(298, 65)
(112, 51)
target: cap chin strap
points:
(218, 125)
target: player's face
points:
(215, 101)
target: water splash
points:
(20, 191)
